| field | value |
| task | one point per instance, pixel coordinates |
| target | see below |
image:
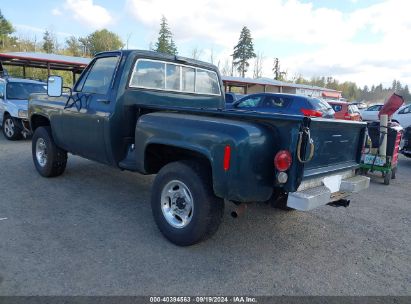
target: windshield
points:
(22, 90)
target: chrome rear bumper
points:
(310, 198)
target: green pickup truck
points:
(158, 114)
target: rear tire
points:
(183, 203)
(10, 130)
(48, 158)
(393, 173)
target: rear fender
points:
(249, 176)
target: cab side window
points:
(99, 77)
(374, 108)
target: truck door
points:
(85, 117)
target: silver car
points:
(14, 95)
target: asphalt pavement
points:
(91, 232)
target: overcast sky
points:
(365, 41)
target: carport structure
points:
(259, 85)
(45, 61)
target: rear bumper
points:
(311, 198)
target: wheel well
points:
(157, 156)
(5, 114)
(39, 121)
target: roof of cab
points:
(162, 56)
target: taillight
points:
(312, 113)
(282, 160)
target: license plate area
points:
(319, 181)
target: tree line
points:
(352, 91)
(237, 65)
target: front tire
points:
(48, 158)
(183, 203)
(10, 130)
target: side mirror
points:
(54, 86)
(1, 95)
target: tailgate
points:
(337, 146)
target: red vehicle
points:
(345, 110)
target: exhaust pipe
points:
(340, 203)
(239, 210)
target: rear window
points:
(160, 75)
(336, 107)
(353, 109)
(320, 104)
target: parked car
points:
(230, 97)
(371, 113)
(154, 113)
(14, 94)
(360, 105)
(403, 116)
(284, 104)
(345, 110)
(406, 142)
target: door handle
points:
(105, 101)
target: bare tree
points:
(258, 65)
(196, 53)
(227, 68)
(212, 56)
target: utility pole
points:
(128, 38)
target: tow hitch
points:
(340, 203)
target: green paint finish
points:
(102, 126)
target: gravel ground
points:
(90, 232)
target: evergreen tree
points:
(243, 51)
(276, 69)
(5, 29)
(165, 42)
(48, 42)
(398, 87)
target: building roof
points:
(43, 60)
(272, 82)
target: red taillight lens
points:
(283, 160)
(312, 113)
(227, 158)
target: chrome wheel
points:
(177, 204)
(9, 127)
(41, 152)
